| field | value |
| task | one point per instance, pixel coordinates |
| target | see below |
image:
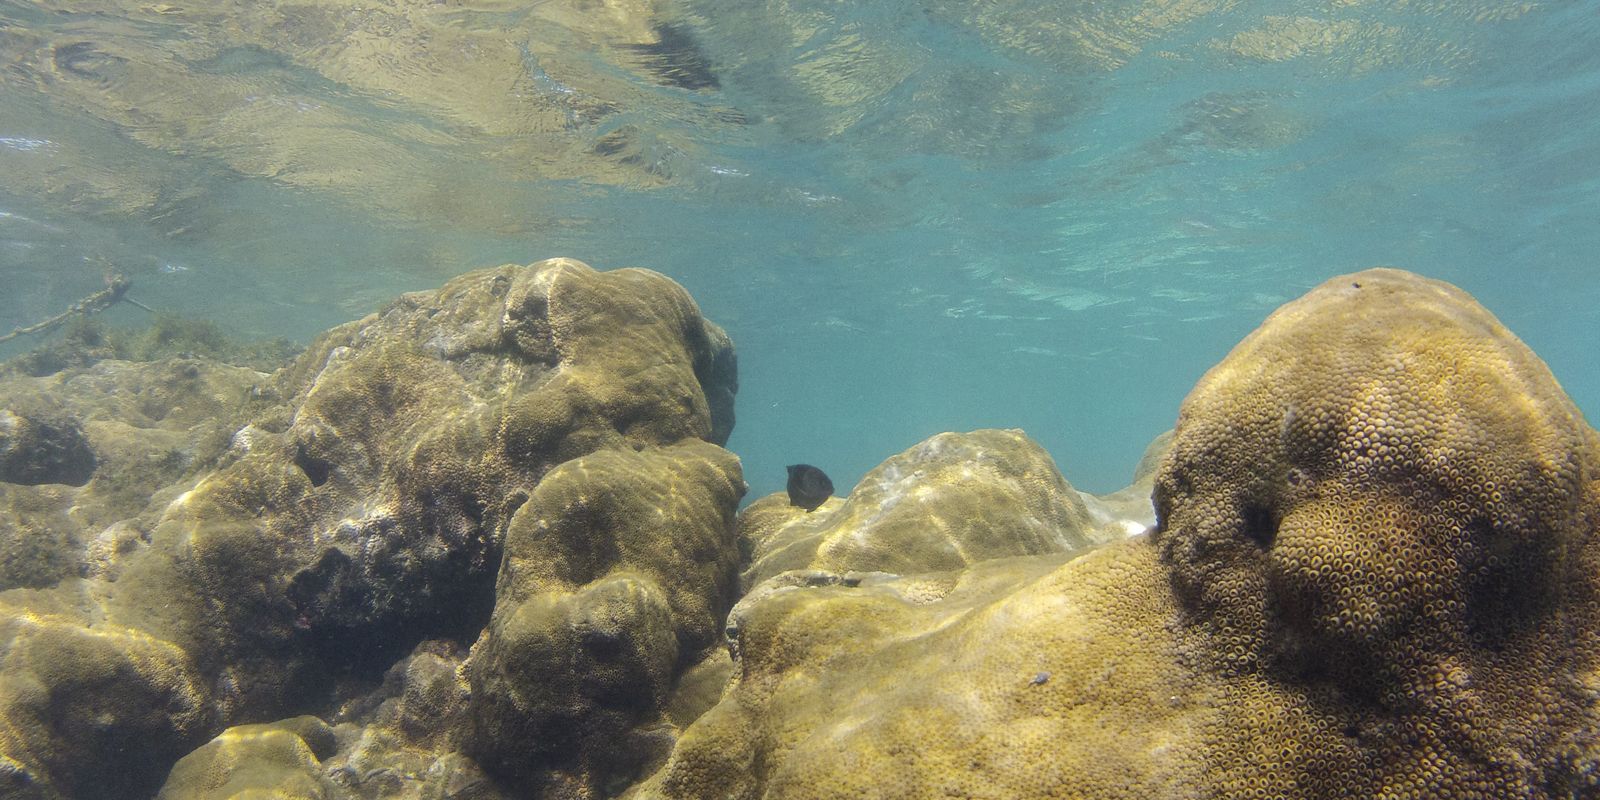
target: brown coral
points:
(360, 511)
(279, 760)
(951, 500)
(1382, 503)
(1374, 576)
(617, 571)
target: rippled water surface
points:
(910, 216)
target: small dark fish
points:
(1039, 679)
(809, 487)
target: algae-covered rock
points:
(617, 572)
(356, 507)
(36, 449)
(1374, 576)
(953, 500)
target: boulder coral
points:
(949, 501)
(1381, 510)
(618, 572)
(86, 453)
(278, 760)
(357, 508)
(89, 710)
(1374, 574)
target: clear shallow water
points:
(911, 217)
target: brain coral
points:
(1383, 501)
(1374, 576)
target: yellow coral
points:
(83, 708)
(1374, 576)
(617, 570)
(279, 761)
(1381, 496)
(364, 510)
(949, 501)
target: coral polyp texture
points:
(483, 545)
(1381, 509)
(1373, 575)
(952, 500)
(618, 572)
(355, 506)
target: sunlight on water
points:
(911, 217)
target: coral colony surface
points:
(486, 543)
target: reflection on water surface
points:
(911, 217)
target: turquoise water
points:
(910, 217)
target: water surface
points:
(910, 216)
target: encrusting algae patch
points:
(484, 544)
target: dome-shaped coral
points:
(1383, 500)
(1374, 576)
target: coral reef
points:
(618, 572)
(950, 501)
(482, 545)
(356, 508)
(119, 439)
(1374, 575)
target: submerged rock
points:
(1374, 575)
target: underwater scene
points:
(794, 399)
